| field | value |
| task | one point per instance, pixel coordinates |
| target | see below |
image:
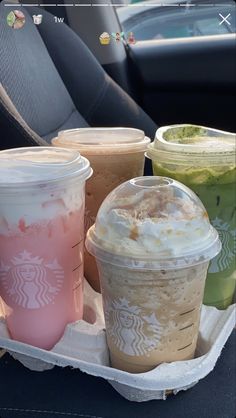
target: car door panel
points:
(188, 80)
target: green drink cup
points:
(204, 160)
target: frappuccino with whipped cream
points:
(204, 159)
(152, 241)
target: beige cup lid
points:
(90, 141)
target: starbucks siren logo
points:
(228, 252)
(132, 331)
(29, 282)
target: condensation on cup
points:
(116, 155)
(204, 160)
(152, 241)
(41, 241)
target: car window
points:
(163, 19)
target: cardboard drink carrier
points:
(83, 346)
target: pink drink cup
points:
(41, 245)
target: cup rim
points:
(92, 140)
(150, 262)
(74, 166)
(185, 154)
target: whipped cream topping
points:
(153, 223)
(20, 173)
(38, 184)
(41, 164)
(38, 206)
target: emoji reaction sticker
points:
(104, 38)
(37, 19)
(131, 39)
(118, 36)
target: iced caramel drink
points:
(152, 241)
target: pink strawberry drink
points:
(41, 241)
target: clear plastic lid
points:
(33, 165)
(153, 223)
(92, 141)
(197, 142)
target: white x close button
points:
(225, 19)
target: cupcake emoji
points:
(104, 38)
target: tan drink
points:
(169, 303)
(153, 242)
(116, 155)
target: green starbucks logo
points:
(228, 252)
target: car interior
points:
(82, 93)
(59, 71)
(55, 81)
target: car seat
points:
(53, 82)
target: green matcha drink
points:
(204, 160)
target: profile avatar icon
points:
(29, 282)
(16, 19)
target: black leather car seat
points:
(56, 83)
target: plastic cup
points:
(152, 241)
(204, 160)
(116, 155)
(41, 241)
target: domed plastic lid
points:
(103, 140)
(34, 165)
(193, 140)
(153, 223)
